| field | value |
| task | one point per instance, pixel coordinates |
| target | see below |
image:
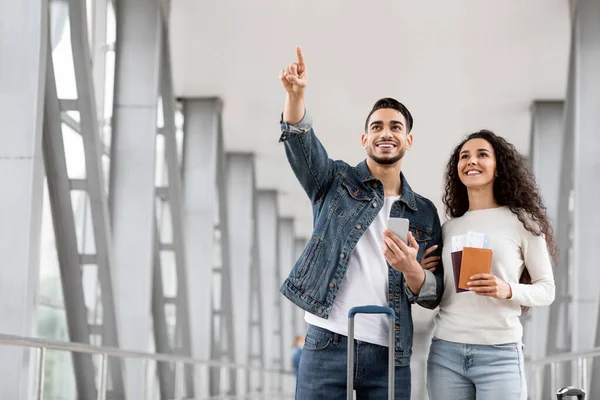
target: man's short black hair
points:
(388, 102)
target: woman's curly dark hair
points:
(514, 187)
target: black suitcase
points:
(570, 391)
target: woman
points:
(476, 351)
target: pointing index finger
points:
(300, 56)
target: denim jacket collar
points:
(407, 196)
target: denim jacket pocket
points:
(356, 193)
(422, 235)
(311, 252)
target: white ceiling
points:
(458, 65)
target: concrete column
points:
(199, 178)
(547, 132)
(269, 272)
(586, 187)
(21, 173)
(132, 193)
(288, 309)
(240, 180)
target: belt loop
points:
(337, 338)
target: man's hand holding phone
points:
(401, 255)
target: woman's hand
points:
(430, 263)
(490, 285)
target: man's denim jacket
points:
(345, 200)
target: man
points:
(297, 353)
(351, 258)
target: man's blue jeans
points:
(322, 371)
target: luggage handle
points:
(392, 342)
(371, 310)
(569, 391)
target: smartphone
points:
(399, 226)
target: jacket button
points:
(374, 185)
(319, 311)
(358, 226)
(332, 285)
(374, 205)
(342, 256)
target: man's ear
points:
(409, 141)
(363, 140)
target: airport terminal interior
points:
(150, 214)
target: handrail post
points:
(554, 374)
(223, 383)
(103, 376)
(239, 373)
(179, 381)
(583, 372)
(40, 368)
(533, 373)
(146, 373)
(539, 373)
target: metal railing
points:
(43, 345)
(581, 370)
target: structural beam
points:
(288, 309)
(586, 164)
(240, 180)
(547, 132)
(268, 234)
(200, 212)
(174, 244)
(21, 173)
(256, 351)
(95, 186)
(546, 147)
(559, 338)
(132, 187)
(166, 374)
(99, 48)
(224, 344)
(69, 258)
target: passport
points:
(456, 261)
(474, 261)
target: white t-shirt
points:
(365, 283)
(473, 319)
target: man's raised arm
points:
(306, 155)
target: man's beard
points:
(386, 160)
